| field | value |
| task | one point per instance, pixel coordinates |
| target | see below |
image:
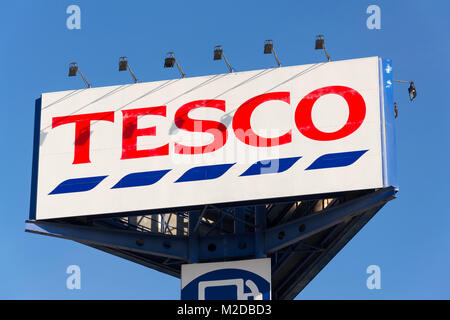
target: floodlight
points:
(412, 91)
(73, 69)
(170, 61)
(268, 46)
(320, 45)
(320, 42)
(268, 49)
(218, 54)
(124, 65)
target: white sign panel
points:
(236, 280)
(221, 139)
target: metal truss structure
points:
(300, 236)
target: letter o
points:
(356, 115)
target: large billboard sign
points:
(233, 138)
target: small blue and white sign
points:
(235, 280)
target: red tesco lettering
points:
(241, 124)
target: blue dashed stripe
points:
(140, 179)
(78, 185)
(334, 160)
(147, 178)
(205, 172)
(270, 166)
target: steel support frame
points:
(284, 235)
(195, 248)
(141, 242)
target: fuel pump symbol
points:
(238, 283)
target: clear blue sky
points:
(409, 238)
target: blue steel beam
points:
(276, 238)
(197, 225)
(224, 212)
(230, 246)
(239, 217)
(194, 218)
(260, 223)
(281, 236)
(159, 245)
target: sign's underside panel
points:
(229, 138)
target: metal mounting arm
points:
(160, 245)
(84, 79)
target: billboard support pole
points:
(239, 217)
(194, 219)
(260, 226)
